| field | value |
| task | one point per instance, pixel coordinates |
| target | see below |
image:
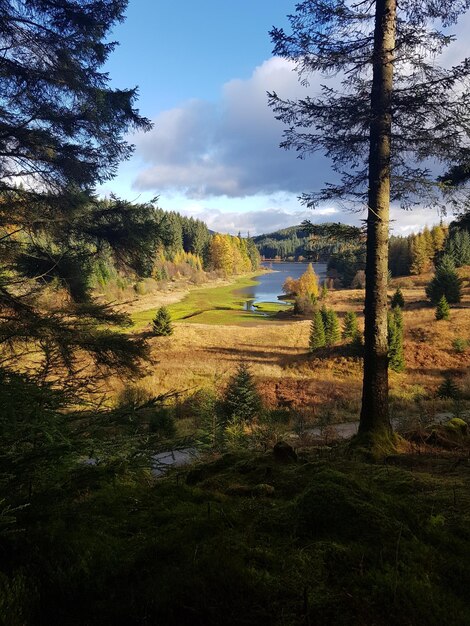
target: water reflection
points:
(270, 285)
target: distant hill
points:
(293, 244)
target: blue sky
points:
(203, 69)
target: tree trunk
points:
(374, 412)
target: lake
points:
(270, 285)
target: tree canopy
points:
(61, 124)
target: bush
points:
(304, 305)
(460, 345)
(161, 325)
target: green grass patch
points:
(271, 307)
(214, 305)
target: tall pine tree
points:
(388, 81)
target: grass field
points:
(214, 305)
(207, 346)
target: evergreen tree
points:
(395, 340)
(350, 329)
(161, 324)
(331, 324)
(242, 400)
(458, 247)
(62, 133)
(448, 389)
(317, 332)
(383, 57)
(442, 309)
(446, 282)
(398, 299)
(399, 257)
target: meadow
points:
(213, 334)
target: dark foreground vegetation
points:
(325, 539)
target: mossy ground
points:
(331, 541)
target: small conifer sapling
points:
(442, 309)
(161, 325)
(398, 299)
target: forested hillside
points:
(296, 244)
(113, 246)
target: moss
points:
(456, 426)
(375, 446)
(321, 541)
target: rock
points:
(284, 453)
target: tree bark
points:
(374, 412)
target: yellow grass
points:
(203, 355)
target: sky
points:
(203, 70)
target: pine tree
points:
(458, 247)
(350, 329)
(446, 282)
(242, 400)
(332, 329)
(161, 324)
(395, 340)
(317, 332)
(448, 389)
(383, 57)
(398, 299)
(442, 309)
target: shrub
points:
(206, 408)
(442, 309)
(446, 282)
(304, 305)
(460, 345)
(398, 299)
(161, 325)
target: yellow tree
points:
(308, 283)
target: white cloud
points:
(210, 156)
(230, 148)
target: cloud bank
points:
(229, 148)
